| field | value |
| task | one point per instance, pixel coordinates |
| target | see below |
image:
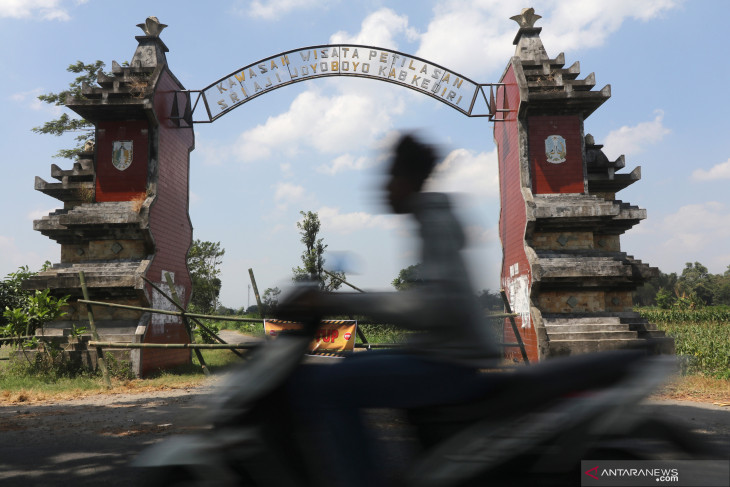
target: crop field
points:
(702, 337)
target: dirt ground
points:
(92, 441)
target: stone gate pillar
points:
(125, 211)
(560, 221)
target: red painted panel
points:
(169, 223)
(169, 220)
(562, 177)
(513, 217)
(130, 183)
(153, 360)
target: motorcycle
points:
(533, 426)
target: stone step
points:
(591, 335)
(584, 320)
(583, 327)
(575, 347)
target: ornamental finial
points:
(152, 27)
(527, 18)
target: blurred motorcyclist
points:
(438, 365)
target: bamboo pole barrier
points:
(206, 346)
(176, 300)
(92, 325)
(208, 330)
(256, 293)
(172, 313)
(518, 337)
(342, 280)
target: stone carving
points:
(152, 27)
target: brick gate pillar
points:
(560, 223)
(125, 212)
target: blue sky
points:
(319, 145)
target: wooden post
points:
(92, 325)
(343, 281)
(256, 293)
(177, 301)
(518, 337)
(193, 317)
(360, 333)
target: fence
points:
(99, 345)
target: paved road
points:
(91, 441)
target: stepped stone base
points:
(570, 334)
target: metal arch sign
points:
(253, 80)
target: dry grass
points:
(696, 388)
(136, 386)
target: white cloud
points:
(286, 169)
(477, 235)
(13, 256)
(589, 23)
(696, 232)
(38, 213)
(346, 162)
(378, 29)
(327, 124)
(464, 171)
(345, 223)
(475, 38)
(30, 99)
(632, 140)
(39, 9)
(274, 9)
(719, 171)
(288, 193)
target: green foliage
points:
(696, 286)
(490, 301)
(646, 295)
(87, 74)
(23, 312)
(201, 335)
(204, 260)
(697, 281)
(270, 300)
(702, 337)
(407, 277)
(313, 256)
(12, 295)
(664, 298)
(379, 333)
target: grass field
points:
(702, 339)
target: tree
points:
(490, 301)
(270, 300)
(88, 74)
(696, 279)
(407, 277)
(647, 294)
(721, 290)
(313, 256)
(204, 260)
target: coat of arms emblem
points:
(555, 149)
(122, 154)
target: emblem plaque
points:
(555, 150)
(122, 154)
